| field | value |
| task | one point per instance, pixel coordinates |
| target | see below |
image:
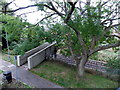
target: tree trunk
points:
(81, 66)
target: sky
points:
(31, 17)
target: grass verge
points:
(66, 76)
(16, 84)
(6, 58)
(1, 71)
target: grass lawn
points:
(66, 76)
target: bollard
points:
(7, 76)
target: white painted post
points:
(18, 60)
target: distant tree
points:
(22, 36)
(3, 40)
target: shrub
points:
(95, 56)
(113, 66)
(113, 63)
(26, 46)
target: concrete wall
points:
(43, 54)
(23, 59)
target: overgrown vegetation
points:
(114, 65)
(63, 75)
(105, 55)
(6, 57)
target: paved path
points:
(21, 74)
(0, 81)
(0, 78)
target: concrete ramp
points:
(43, 54)
(37, 55)
(23, 59)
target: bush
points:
(113, 63)
(94, 56)
(26, 46)
(113, 66)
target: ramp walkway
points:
(36, 55)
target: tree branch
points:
(93, 43)
(104, 47)
(81, 41)
(54, 9)
(8, 3)
(25, 13)
(18, 8)
(46, 17)
(70, 45)
(42, 20)
(113, 36)
(104, 3)
(70, 11)
(109, 20)
(59, 6)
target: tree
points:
(22, 36)
(3, 7)
(91, 26)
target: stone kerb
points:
(38, 57)
(23, 59)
